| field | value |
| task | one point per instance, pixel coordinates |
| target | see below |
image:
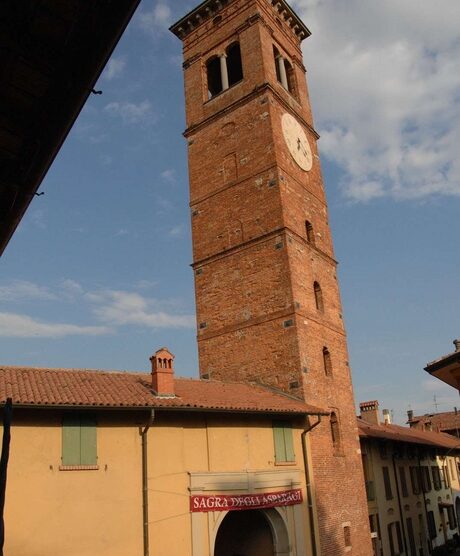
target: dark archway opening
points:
(244, 533)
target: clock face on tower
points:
(297, 142)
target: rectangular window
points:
(436, 477)
(284, 446)
(447, 474)
(410, 533)
(431, 525)
(451, 517)
(415, 479)
(395, 538)
(79, 440)
(443, 477)
(387, 483)
(426, 481)
(402, 478)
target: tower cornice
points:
(211, 8)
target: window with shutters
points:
(436, 477)
(395, 538)
(387, 483)
(415, 479)
(432, 532)
(284, 446)
(426, 481)
(447, 476)
(403, 481)
(79, 446)
(451, 518)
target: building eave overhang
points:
(166, 409)
(45, 83)
(210, 8)
(446, 369)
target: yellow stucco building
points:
(122, 464)
(411, 479)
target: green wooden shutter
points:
(88, 445)
(284, 445)
(288, 442)
(71, 440)
(278, 437)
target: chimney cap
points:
(457, 344)
(162, 351)
(374, 404)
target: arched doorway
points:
(244, 533)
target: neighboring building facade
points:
(411, 479)
(267, 297)
(125, 464)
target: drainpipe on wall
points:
(399, 505)
(145, 491)
(310, 508)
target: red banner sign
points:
(223, 502)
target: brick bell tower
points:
(267, 297)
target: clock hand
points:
(299, 144)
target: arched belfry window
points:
(318, 296)
(234, 65)
(224, 70)
(327, 362)
(214, 76)
(310, 233)
(284, 71)
(335, 431)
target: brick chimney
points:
(369, 412)
(163, 372)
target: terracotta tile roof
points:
(448, 420)
(116, 389)
(406, 434)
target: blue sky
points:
(98, 274)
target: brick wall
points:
(254, 268)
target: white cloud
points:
(22, 326)
(106, 159)
(130, 112)
(114, 68)
(384, 80)
(169, 175)
(155, 20)
(71, 289)
(176, 231)
(37, 217)
(145, 284)
(21, 290)
(121, 308)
